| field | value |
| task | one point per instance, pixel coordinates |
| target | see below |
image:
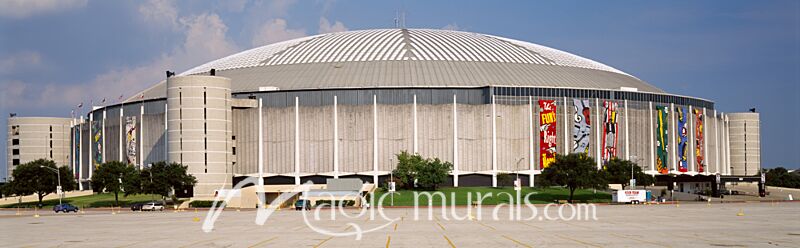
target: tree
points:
(780, 177)
(432, 173)
(39, 177)
(162, 179)
(428, 173)
(573, 171)
(115, 177)
(504, 179)
(618, 171)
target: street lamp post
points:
(391, 180)
(516, 167)
(58, 175)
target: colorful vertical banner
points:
(97, 143)
(609, 131)
(547, 132)
(683, 145)
(662, 139)
(698, 139)
(582, 127)
(130, 139)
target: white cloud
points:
(326, 27)
(159, 12)
(205, 39)
(19, 60)
(452, 26)
(26, 8)
(275, 30)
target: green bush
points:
(201, 204)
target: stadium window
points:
(51, 144)
(15, 152)
(233, 150)
(233, 137)
(15, 142)
(51, 153)
(15, 162)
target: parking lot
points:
(732, 224)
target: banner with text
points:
(547, 132)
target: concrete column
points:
(673, 145)
(728, 144)
(90, 164)
(335, 139)
(80, 154)
(296, 140)
(121, 158)
(456, 170)
(531, 158)
(103, 155)
(566, 127)
(141, 134)
(166, 132)
(375, 140)
(260, 142)
(598, 147)
(414, 117)
(716, 143)
(690, 139)
(627, 133)
(494, 142)
(652, 139)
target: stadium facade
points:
(341, 105)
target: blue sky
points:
(740, 54)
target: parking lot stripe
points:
(532, 226)
(515, 241)
(440, 225)
(323, 241)
(263, 242)
(488, 226)
(638, 239)
(577, 241)
(449, 241)
(200, 242)
(388, 240)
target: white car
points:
(153, 206)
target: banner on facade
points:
(683, 145)
(130, 139)
(609, 138)
(547, 132)
(97, 143)
(662, 139)
(698, 139)
(582, 126)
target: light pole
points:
(58, 175)
(516, 167)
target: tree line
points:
(39, 177)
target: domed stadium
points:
(342, 105)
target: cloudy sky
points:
(741, 54)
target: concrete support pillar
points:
(296, 140)
(716, 143)
(166, 131)
(456, 169)
(103, 133)
(652, 138)
(494, 142)
(80, 154)
(414, 117)
(260, 142)
(566, 126)
(598, 134)
(531, 156)
(120, 157)
(141, 134)
(627, 133)
(335, 139)
(375, 140)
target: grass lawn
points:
(541, 195)
(90, 201)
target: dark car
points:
(300, 204)
(65, 207)
(137, 206)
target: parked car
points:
(300, 204)
(137, 206)
(65, 207)
(153, 206)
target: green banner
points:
(662, 139)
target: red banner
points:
(698, 137)
(547, 132)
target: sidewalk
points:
(35, 198)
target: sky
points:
(740, 54)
